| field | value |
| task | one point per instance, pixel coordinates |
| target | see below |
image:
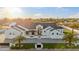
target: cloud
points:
(37, 15)
(11, 12)
(59, 7)
(40, 15)
(74, 16)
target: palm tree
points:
(19, 39)
(70, 36)
(70, 39)
(55, 22)
(74, 26)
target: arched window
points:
(57, 33)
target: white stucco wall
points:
(60, 35)
(48, 33)
(11, 33)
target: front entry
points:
(38, 45)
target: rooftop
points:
(33, 25)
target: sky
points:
(39, 12)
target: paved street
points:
(4, 48)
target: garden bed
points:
(45, 46)
(23, 46)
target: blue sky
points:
(51, 11)
(39, 12)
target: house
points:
(37, 33)
(48, 30)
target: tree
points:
(74, 26)
(19, 39)
(70, 39)
(55, 22)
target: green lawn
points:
(45, 46)
(54, 45)
(29, 45)
(67, 31)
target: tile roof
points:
(46, 25)
(33, 25)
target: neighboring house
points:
(77, 20)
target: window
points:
(32, 33)
(52, 33)
(57, 33)
(27, 33)
(12, 33)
